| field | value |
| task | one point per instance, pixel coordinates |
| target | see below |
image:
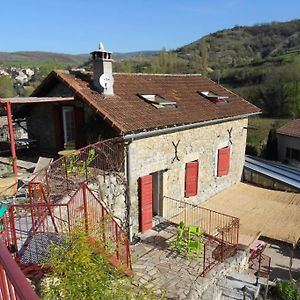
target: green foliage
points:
(6, 87)
(271, 147)
(257, 135)
(288, 290)
(81, 271)
(74, 165)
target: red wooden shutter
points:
(191, 178)
(223, 161)
(146, 202)
(79, 123)
(58, 127)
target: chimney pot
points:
(102, 69)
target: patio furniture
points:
(181, 241)
(43, 162)
(258, 245)
(195, 240)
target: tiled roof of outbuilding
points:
(291, 129)
(127, 112)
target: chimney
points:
(102, 69)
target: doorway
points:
(151, 199)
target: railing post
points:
(30, 190)
(66, 171)
(13, 229)
(84, 186)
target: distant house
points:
(185, 135)
(288, 137)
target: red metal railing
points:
(13, 283)
(221, 230)
(67, 173)
(32, 227)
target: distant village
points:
(20, 75)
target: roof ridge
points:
(156, 74)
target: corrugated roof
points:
(291, 129)
(277, 171)
(127, 112)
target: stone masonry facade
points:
(157, 153)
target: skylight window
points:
(214, 98)
(159, 102)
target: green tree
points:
(80, 270)
(6, 87)
(271, 147)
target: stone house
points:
(288, 142)
(185, 135)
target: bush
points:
(288, 290)
(80, 270)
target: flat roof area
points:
(23, 100)
(278, 171)
(273, 214)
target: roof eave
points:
(175, 128)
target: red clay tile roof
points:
(127, 112)
(291, 129)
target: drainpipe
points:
(129, 218)
(12, 137)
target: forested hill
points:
(243, 44)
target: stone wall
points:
(153, 154)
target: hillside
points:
(39, 56)
(36, 57)
(244, 44)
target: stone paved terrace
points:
(156, 264)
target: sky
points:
(77, 26)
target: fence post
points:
(84, 186)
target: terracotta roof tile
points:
(129, 113)
(291, 129)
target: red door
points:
(146, 203)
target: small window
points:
(191, 179)
(159, 102)
(223, 161)
(292, 153)
(214, 98)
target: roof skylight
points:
(159, 102)
(214, 98)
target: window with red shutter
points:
(191, 178)
(223, 161)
